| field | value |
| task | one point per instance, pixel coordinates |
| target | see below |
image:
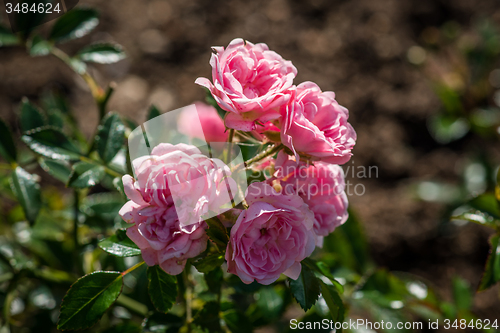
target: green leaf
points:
(27, 191)
(208, 317)
(7, 146)
(56, 119)
(446, 128)
(462, 294)
(323, 269)
(26, 22)
(105, 205)
(153, 112)
(334, 302)
(39, 46)
(214, 280)
(209, 263)
(483, 209)
(74, 24)
(110, 137)
(52, 143)
(7, 38)
(88, 298)
(162, 288)
(306, 288)
(237, 322)
(61, 170)
(120, 245)
(31, 116)
(102, 53)
(217, 233)
(85, 175)
(124, 328)
(162, 323)
(491, 273)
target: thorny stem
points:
(268, 152)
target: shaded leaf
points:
(74, 24)
(39, 46)
(334, 302)
(52, 143)
(31, 116)
(462, 294)
(56, 119)
(491, 274)
(110, 137)
(102, 53)
(237, 322)
(162, 288)
(208, 317)
(162, 323)
(7, 38)
(27, 191)
(85, 175)
(306, 288)
(124, 328)
(120, 245)
(28, 21)
(209, 263)
(61, 170)
(88, 298)
(7, 146)
(153, 112)
(217, 233)
(214, 280)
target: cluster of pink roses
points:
(288, 214)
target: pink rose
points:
(315, 124)
(174, 187)
(321, 186)
(250, 82)
(271, 237)
(212, 126)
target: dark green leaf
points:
(7, 38)
(208, 317)
(102, 53)
(306, 288)
(214, 280)
(237, 322)
(60, 170)
(27, 191)
(85, 175)
(110, 137)
(105, 205)
(462, 294)
(56, 119)
(39, 46)
(209, 263)
(162, 323)
(162, 288)
(120, 245)
(7, 146)
(323, 269)
(124, 328)
(88, 299)
(52, 143)
(217, 233)
(74, 24)
(334, 302)
(491, 273)
(31, 116)
(153, 112)
(270, 303)
(26, 22)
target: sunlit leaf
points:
(110, 137)
(306, 288)
(60, 170)
(102, 53)
(209, 263)
(334, 302)
(120, 245)
(88, 299)
(7, 146)
(39, 46)
(85, 175)
(27, 191)
(31, 116)
(74, 24)
(162, 288)
(52, 143)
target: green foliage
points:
(110, 137)
(491, 273)
(334, 302)
(85, 175)
(153, 112)
(7, 147)
(39, 46)
(102, 53)
(74, 24)
(209, 263)
(208, 317)
(120, 245)
(31, 117)
(27, 191)
(88, 299)
(162, 288)
(52, 143)
(7, 38)
(217, 233)
(306, 288)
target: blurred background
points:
(419, 78)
